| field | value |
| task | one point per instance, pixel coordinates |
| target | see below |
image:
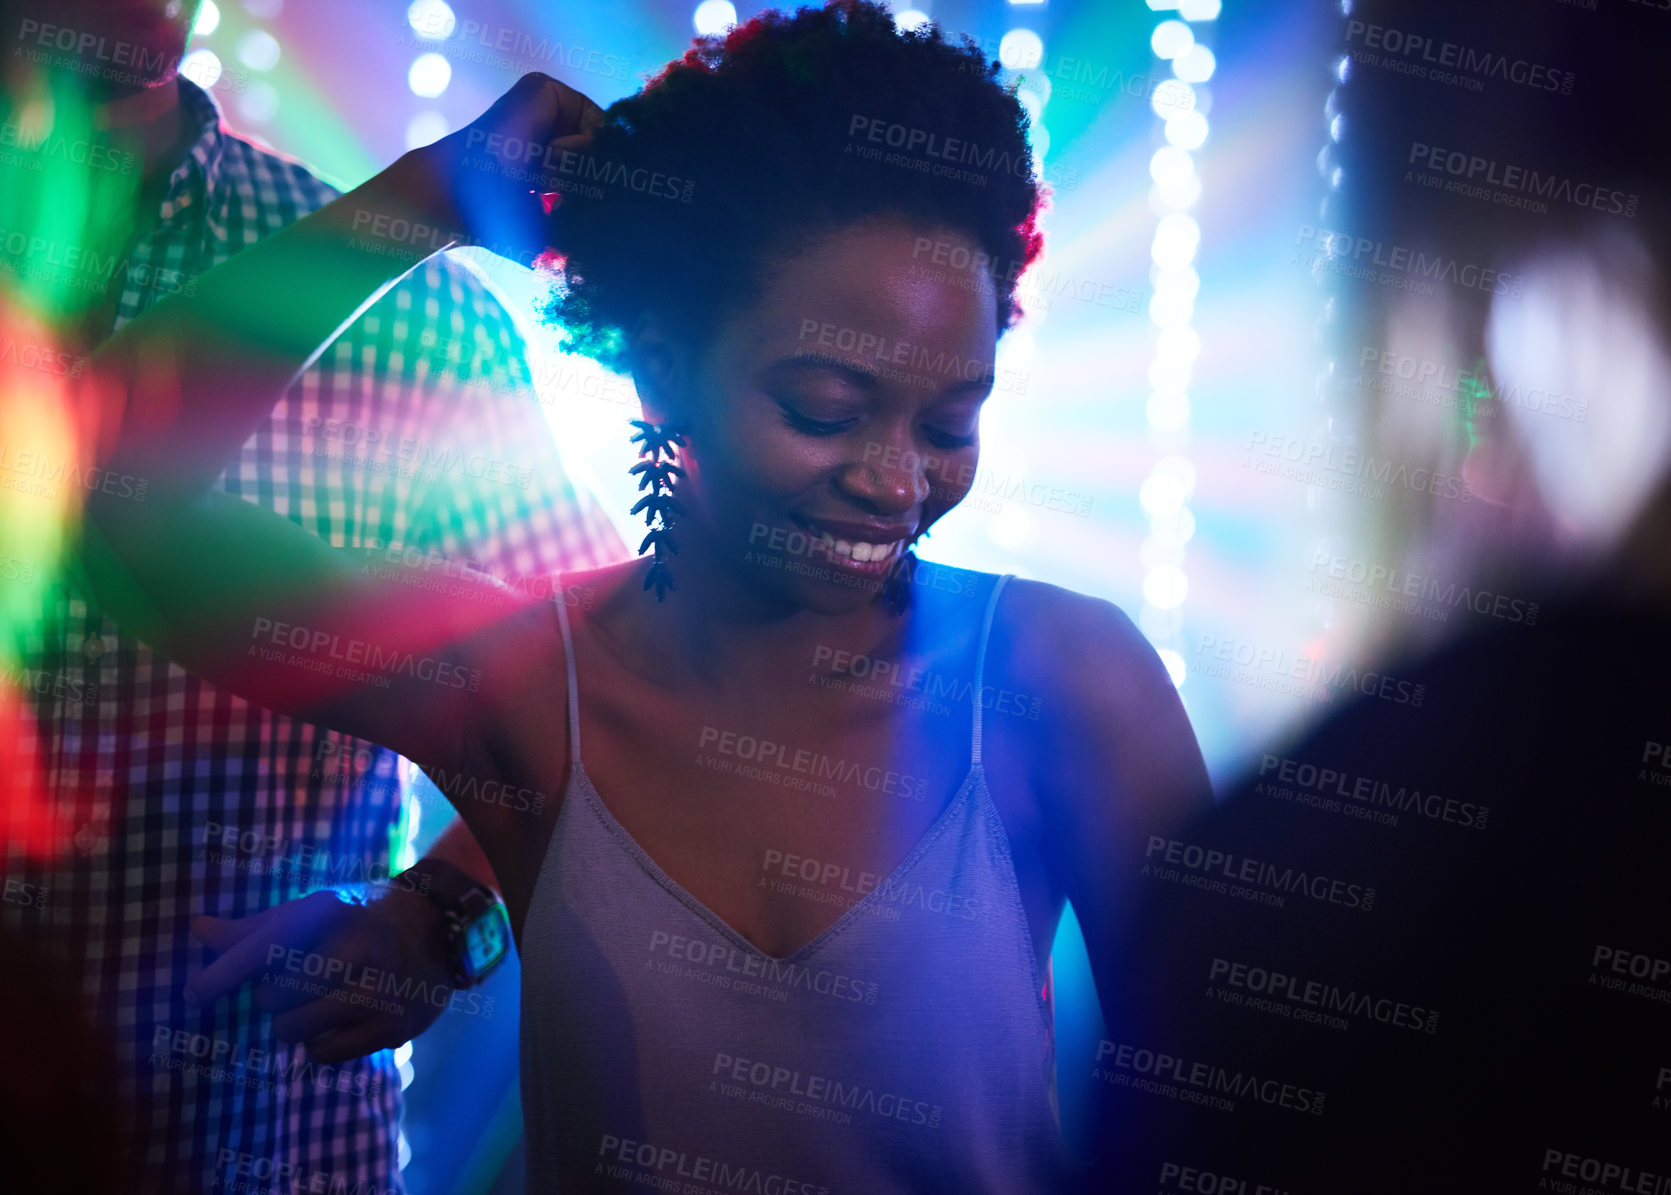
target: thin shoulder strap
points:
(980, 668)
(568, 660)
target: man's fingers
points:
(221, 933)
(313, 1019)
(355, 1040)
(270, 997)
(295, 925)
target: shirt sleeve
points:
(491, 488)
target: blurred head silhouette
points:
(1523, 141)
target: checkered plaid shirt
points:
(416, 427)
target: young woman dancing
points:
(797, 815)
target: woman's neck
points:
(716, 631)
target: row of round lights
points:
(1340, 411)
(1021, 54)
(430, 72)
(1181, 103)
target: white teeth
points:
(862, 552)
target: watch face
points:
(486, 941)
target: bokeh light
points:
(208, 19)
(258, 50)
(429, 75)
(714, 16)
(432, 19)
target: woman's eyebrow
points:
(815, 362)
(868, 379)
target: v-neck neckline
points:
(579, 778)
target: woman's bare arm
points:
(1119, 771)
(241, 595)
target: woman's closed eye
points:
(802, 422)
(941, 438)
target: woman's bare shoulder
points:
(1071, 642)
(1108, 707)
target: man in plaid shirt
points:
(416, 428)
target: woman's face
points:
(836, 419)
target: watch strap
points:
(461, 899)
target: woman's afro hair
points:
(755, 142)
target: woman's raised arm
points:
(241, 595)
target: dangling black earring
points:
(659, 505)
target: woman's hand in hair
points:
(498, 181)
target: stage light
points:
(910, 19)
(714, 17)
(1165, 587)
(265, 10)
(1162, 493)
(1013, 529)
(1170, 374)
(1167, 310)
(258, 50)
(1171, 166)
(208, 19)
(1176, 237)
(201, 67)
(1195, 65)
(1181, 470)
(1170, 39)
(1174, 196)
(1167, 410)
(1174, 529)
(1172, 98)
(259, 101)
(1021, 49)
(425, 128)
(431, 19)
(1175, 667)
(1036, 84)
(1199, 10)
(1153, 553)
(1187, 130)
(1183, 281)
(429, 75)
(1178, 343)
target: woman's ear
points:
(660, 370)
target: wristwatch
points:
(478, 930)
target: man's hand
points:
(496, 181)
(342, 975)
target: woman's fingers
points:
(504, 165)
